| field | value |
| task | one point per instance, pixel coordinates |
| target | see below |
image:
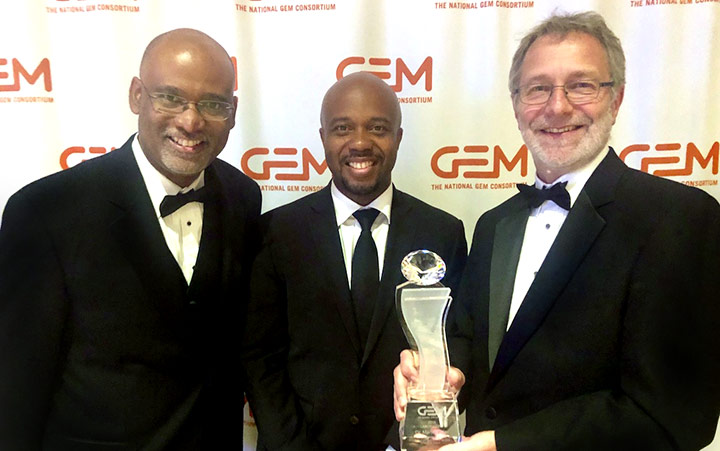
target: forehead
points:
(557, 58)
(361, 101)
(190, 69)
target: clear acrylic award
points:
(431, 416)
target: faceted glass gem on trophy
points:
(431, 416)
(423, 267)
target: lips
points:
(360, 165)
(560, 130)
(185, 143)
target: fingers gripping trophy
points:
(431, 418)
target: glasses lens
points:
(167, 103)
(535, 94)
(582, 91)
(214, 111)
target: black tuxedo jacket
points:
(312, 383)
(616, 344)
(103, 344)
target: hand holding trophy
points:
(431, 418)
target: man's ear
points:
(134, 95)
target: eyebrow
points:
(579, 74)
(348, 119)
(206, 96)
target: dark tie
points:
(556, 193)
(171, 203)
(365, 272)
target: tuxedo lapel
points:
(136, 227)
(326, 239)
(211, 265)
(577, 235)
(509, 232)
(401, 235)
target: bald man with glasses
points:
(122, 279)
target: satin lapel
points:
(136, 228)
(324, 231)
(401, 235)
(581, 227)
(211, 265)
(509, 232)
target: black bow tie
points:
(556, 193)
(171, 203)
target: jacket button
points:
(354, 420)
(491, 413)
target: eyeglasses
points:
(577, 92)
(211, 110)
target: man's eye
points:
(535, 89)
(341, 128)
(170, 98)
(214, 106)
(581, 85)
(378, 129)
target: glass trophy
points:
(431, 417)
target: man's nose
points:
(190, 119)
(361, 140)
(558, 102)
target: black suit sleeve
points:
(33, 308)
(668, 374)
(279, 418)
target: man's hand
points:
(482, 441)
(406, 373)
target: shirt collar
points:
(575, 180)
(159, 186)
(345, 207)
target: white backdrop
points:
(66, 65)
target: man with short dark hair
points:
(323, 334)
(121, 279)
(587, 316)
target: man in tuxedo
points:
(587, 317)
(121, 278)
(323, 334)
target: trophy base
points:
(428, 425)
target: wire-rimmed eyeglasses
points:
(577, 92)
(211, 110)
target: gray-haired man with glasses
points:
(587, 314)
(122, 279)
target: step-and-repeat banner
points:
(66, 66)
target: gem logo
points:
(279, 167)
(430, 411)
(77, 154)
(20, 72)
(402, 71)
(670, 154)
(497, 160)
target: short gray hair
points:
(561, 24)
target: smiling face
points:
(361, 134)
(561, 136)
(191, 65)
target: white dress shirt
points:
(349, 227)
(541, 230)
(183, 228)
